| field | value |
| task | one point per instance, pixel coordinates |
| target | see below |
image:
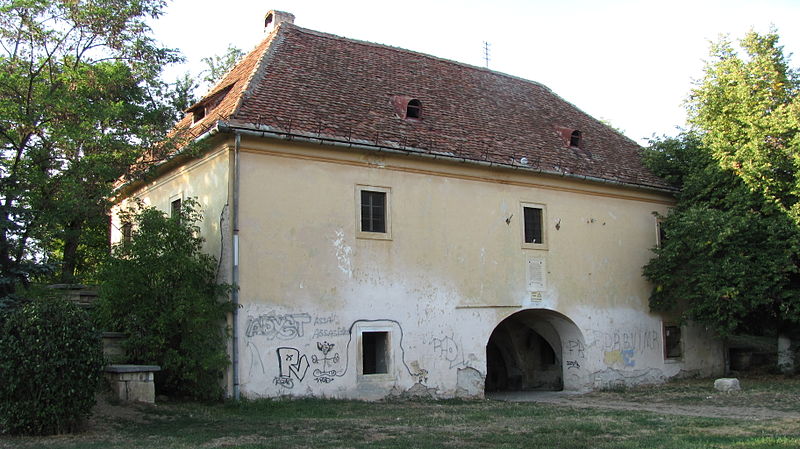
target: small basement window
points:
(374, 352)
(672, 342)
(414, 109)
(575, 139)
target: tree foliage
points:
(79, 100)
(160, 289)
(52, 363)
(747, 111)
(729, 256)
(218, 65)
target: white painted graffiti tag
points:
(282, 327)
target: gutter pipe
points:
(235, 266)
(270, 133)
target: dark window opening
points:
(375, 352)
(373, 211)
(575, 139)
(414, 109)
(672, 342)
(533, 225)
(198, 114)
(127, 232)
(662, 236)
(175, 209)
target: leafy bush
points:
(51, 360)
(160, 289)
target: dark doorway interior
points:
(518, 358)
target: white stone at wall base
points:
(727, 385)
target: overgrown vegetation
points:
(161, 290)
(80, 101)
(51, 361)
(730, 256)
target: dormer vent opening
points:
(414, 109)
(575, 139)
(275, 18)
(198, 113)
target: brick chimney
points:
(273, 18)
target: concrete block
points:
(727, 385)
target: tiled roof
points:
(303, 82)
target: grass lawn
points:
(463, 424)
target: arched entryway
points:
(525, 352)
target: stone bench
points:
(133, 383)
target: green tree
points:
(729, 256)
(217, 66)
(747, 111)
(160, 289)
(79, 99)
(730, 259)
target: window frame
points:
(545, 238)
(389, 354)
(665, 331)
(387, 234)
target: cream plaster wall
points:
(453, 269)
(204, 179)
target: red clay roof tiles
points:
(310, 83)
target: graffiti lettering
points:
(575, 347)
(290, 363)
(282, 327)
(573, 364)
(338, 332)
(324, 380)
(633, 339)
(322, 320)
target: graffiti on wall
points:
(631, 339)
(576, 348)
(621, 346)
(329, 364)
(573, 364)
(282, 327)
(449, 350)
(291, 365)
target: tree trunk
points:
(72, 238)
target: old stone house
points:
(400, 224)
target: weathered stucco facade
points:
(446, 298)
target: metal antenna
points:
(486, 45)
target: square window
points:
(127, 232)
(374, 352)
(175, 209)
(672, 342)
(661, 236)
(533, 229)
(373, 213)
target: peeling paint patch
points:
(343, 252)
(469, 383)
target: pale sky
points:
(628, 62)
